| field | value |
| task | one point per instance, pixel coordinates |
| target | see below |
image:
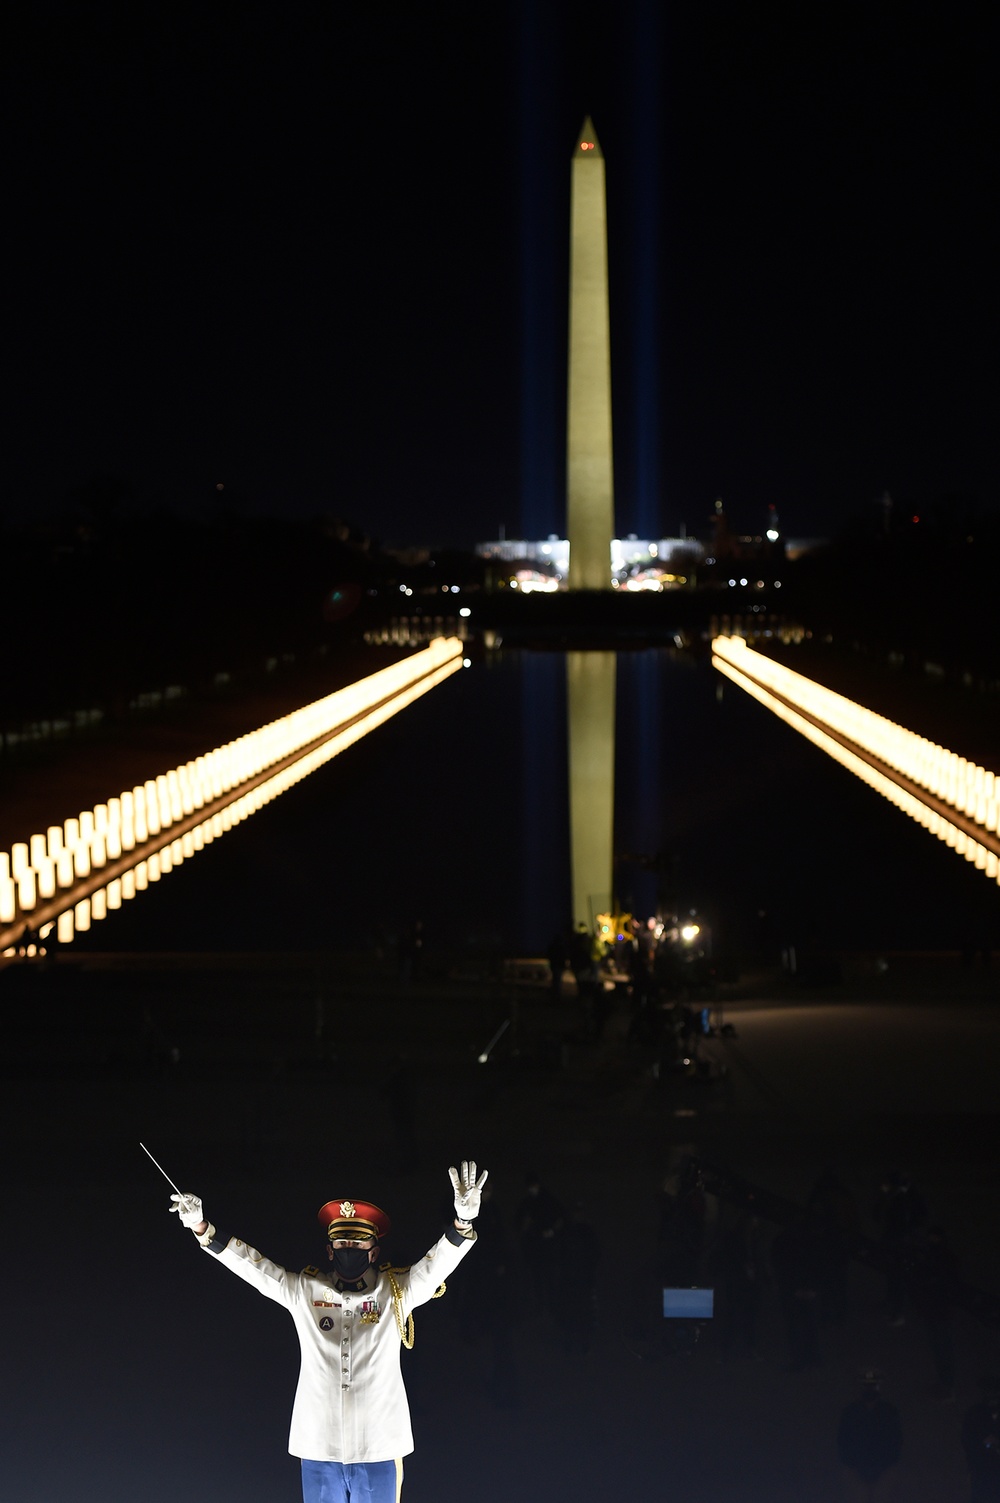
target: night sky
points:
(317, 254)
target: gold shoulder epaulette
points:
(310, 1270)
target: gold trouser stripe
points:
(399, 1478)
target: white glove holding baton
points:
(468, 1190)
(189, 1209)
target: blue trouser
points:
(351, 1481)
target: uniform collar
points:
(363, 1286)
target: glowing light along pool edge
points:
(361, 708)
(932, 819)
(969, 788)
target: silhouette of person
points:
(933, 1284)
(411, 953)
(487, 1306)
(796, 1262)
(577, 1261)
(869, 1440)
(558, 958)
(744, 1270)
(579, 955)
(981, 1442)
(683, 1213)
(833, 1213)
(902, 1214)
(540, 1220)
(401, 1094)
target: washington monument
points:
(590, 522)
(590, 509)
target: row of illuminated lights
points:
(964, 785)
(743, 665)
(648, 581)
(454, 589)
(77, 918)
(35, 870)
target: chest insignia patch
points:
(326, 1324)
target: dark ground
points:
(135, 1369)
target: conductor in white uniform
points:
(350, 1420)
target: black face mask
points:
(351, 1263)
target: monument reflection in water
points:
(590, 684)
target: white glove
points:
(189, 1209)
(468, 1190)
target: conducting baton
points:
(166, 1176)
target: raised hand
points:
(468, 1190)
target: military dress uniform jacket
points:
(350, 1403)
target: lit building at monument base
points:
(633, 563)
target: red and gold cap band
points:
(353, 1218)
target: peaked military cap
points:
(353, 1218)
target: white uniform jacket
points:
(350, 1403)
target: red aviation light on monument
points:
(586, 141)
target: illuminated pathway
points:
(81, 869)
(954, 799)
